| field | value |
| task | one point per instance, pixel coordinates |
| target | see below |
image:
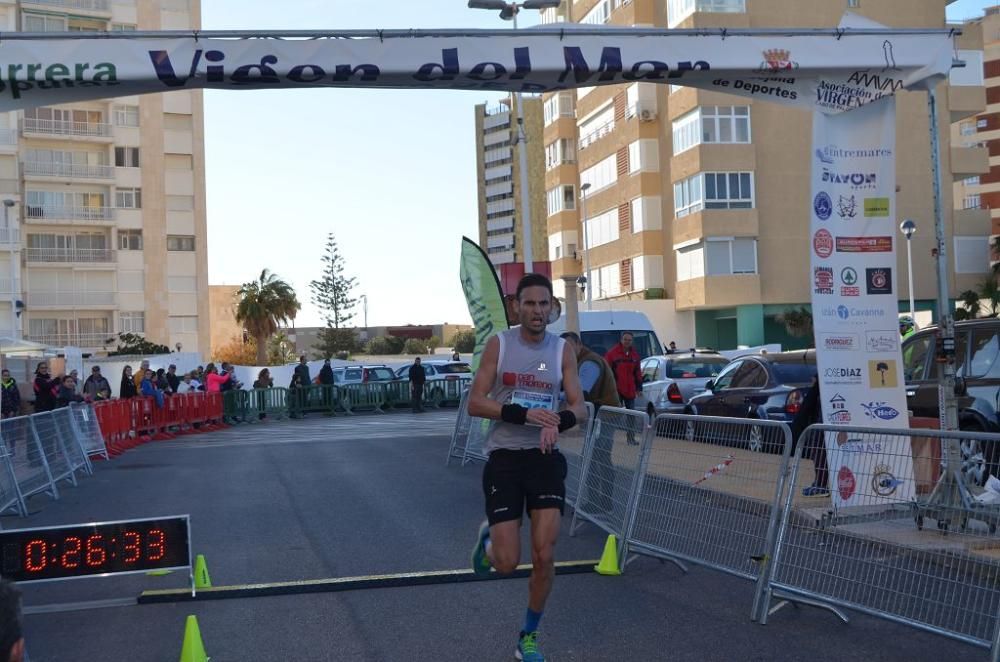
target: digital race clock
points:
(81, 550)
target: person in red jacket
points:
(624, 361)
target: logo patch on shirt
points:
(510, 379)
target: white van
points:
(600, 330)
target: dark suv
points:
(977, 351)
(761, 386)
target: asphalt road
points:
(367, 495)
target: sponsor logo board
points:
(823, 280)
(823, 243)
(864, 244)
(879, 281)
(883, 341)
(840, 342)
(876, 207)
(823, 206)
(883, 373)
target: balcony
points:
(718, 291)
(969, 161)
(8, 139)
(71, 299)
(10, 286)
(10, 236)
(59, 214)
(64, 255)
(103, 6)
(94, 340)
(31, 127)
(965, 101)
(593, 136)
(69, 170)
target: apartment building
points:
(977, 197)
(104, 202)
(697, 201)
(498, 176)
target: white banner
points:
(829, 73)
(855, 309)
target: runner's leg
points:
(544, 532)
(504, 548)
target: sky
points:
(391, 173)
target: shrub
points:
(378, 345)
(464, 341)
(414, 346)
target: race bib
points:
(533, 400)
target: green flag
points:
(483, 295)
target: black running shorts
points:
(525, 479)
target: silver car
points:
(669, 381)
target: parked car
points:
(669, 381)
(977, 363)
(600, 330)
(362, 374)
(764, 387)
(438, 370)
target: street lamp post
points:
(508, 12)
(365, 309)
(586, 245)
(908, 227)
(7, 204)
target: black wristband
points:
(567, 419)
(515, 414)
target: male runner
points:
(517, 385)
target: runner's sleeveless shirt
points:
(529, 375)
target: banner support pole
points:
(948, 411)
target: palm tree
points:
(262, 305)
(969, 310)
(798, 323)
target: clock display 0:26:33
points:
(95, 549)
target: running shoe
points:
(480, 561)
(815, 491)
(527, 648)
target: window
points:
(650, 370)
(127, 157)
(687, 196)
(750, 375)
(178, 122)
(712, 124)
(915, 354)
(972, 201)
(130, 240)
(601, 175)
(128, 198)
(972, 255)
(180, 242)
(717, 257)
(597, 125)
(182, 324)
(560, 198)
(123, 27)
(132, 322)
(180, 203)
(602, 228)
(44, 23)
(728, 190)
(678, 10)
(726, 376)
(556, 106)
(967, 128)
(985, 351)
(558, 152)
(853, 4)
(126, 115)
(971, 181)
(602, 11)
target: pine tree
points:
(332, 294)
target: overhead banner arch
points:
(825, 70)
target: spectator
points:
(455, 356)
(213, 380)
(185, 385)
(148, 388)
(418, 376)
(76, 379)
(232, 383)
(172, 379)
(264, 379)
(96, 387)
(673, 348)
(598, 383)
(45, 399)
(198, 375)
(67, 393)
(140, 374)
(811, 412)
(160, 380)
(296, 380)
(127, 389)
(11, 635)
(302, 370)
(11, 400)
(326, 374)
(196, 383)
(624, 361)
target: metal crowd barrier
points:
(322, 398)
(89, 430)
(460, 435)
(362, 396)
(610, 471)
(919, 549)
(708, 493)
(26, 458)
(573, 446)
(71, 441)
